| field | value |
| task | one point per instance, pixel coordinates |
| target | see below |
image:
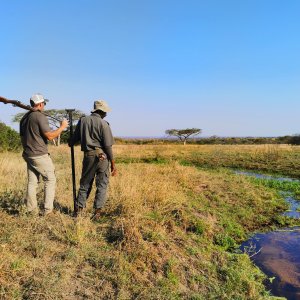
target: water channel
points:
(277, 253)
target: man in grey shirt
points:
(35, 134)
(96, 139)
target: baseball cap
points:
(101, 105)
(38, 98)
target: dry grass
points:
(281, 159)
(167, 233)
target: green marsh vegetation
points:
(173, 221)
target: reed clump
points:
(168, 231)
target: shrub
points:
(9, 139)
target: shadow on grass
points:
(62, 209)
(110, 220)
(150, 160)
(12, 202)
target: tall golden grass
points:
(168, 230)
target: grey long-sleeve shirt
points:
(94, 132)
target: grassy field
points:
(172, 224)
(280, 159)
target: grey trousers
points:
(40, 166)
(93, 167)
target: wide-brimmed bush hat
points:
(101, 105)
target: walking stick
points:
(70, 113)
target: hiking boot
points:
(32, 213)
(97, 215)
(77, 211)
(47, 212)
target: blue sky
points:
(231, 68)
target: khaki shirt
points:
(32, 128)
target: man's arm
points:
(113, 168)
(50, 135)
(108, 151)
(108, 141)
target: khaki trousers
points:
(40, 166)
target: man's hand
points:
(102, 156)
(113, 171)
(50, 135)
(64, 124)
(113, 168)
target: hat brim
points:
(42, 101)
(107, 109)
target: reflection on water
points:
(293, 207)
(277, 253)
(263, 176)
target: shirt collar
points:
(95, 114)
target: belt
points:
(97, 151)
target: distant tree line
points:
(10, 140)
(214, 140)
(292, 140)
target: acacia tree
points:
(183, 134)
(57, 114)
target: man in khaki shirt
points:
(35, 134)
